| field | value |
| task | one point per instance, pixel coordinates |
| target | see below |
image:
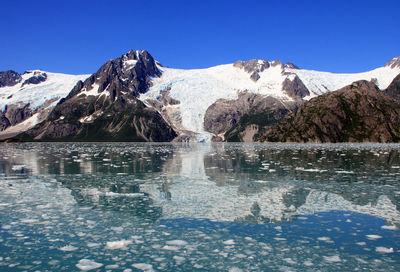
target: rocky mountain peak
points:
(255, 66)
(291, 66)
(9, 78)
(127, 75)
(393, 63)
(36, 78)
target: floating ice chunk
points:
(177, 243)
(384, 250)
(68, 248)
(332, 259)
(112, 194)
(179, 259)
(93, 244)
(18, 167)
(235, 269)
(117, 229)
(112, 266)
(118, 244)
(172, 248)
(289, 261)
(325, 239)
(143, 266)
(310, 169)
(389, 227)
(373, 237)
(86, 265)
(344, 172)
(229, 242)
(308, 263)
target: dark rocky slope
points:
(9, 78)
(359, 112)
(105, 107)
(393, 90)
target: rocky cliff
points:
(394, 88)
(241, 119)
(359, 112)
(9, 78)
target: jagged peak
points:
(393, 63)
(136, 55)
(256, 66)
(290, 65)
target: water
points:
(199, 207)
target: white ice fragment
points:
(171, 248)
(112, 194)
(289, 261)
(177, 243)
(308, 263)
(310, 169)
(18, 167)
(384, 250)
(93, 244)
(332, 259)
(373, 237)
(68, 248)
(389, 227)
(118, 244)
(229, 242)
(325, 239)
(86, 265)
(235, 269)
(179, 259)
(143, 266)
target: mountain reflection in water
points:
(190, 206)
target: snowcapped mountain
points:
(194, 91)
(322, 82)
(27, 99)
(197, 105)
(105, 106)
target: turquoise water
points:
(199, 207)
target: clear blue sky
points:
(78, 36)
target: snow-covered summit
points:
(321, 82)
(196, 90)
(393, 63)
(30, 99)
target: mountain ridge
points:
(196, 105)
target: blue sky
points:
(79, 36)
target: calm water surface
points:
(199, 207)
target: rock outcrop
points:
(294, 87)
(394, 88)
(9, 78)
(359, 112)
(243, 118)
(36, 78)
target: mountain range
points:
(135, 98)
